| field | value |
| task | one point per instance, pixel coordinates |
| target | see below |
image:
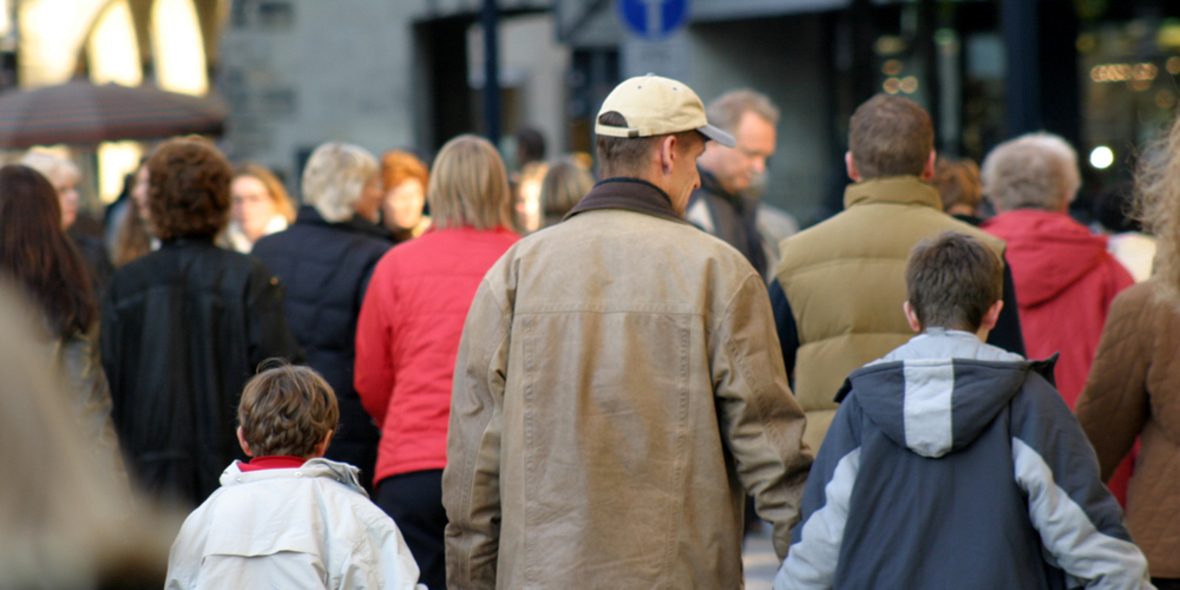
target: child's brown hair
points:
(952, 281)
(287, 410)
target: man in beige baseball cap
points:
(619, 384)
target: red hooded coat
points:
(1065, 281)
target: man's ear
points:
(931, 166)
(668, 154)
(850, 164)
(911, 317)
(242, 441)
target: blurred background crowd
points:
(400, 147)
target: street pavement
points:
(759, 561)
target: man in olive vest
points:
(839, 288)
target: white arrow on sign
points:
(655, 15)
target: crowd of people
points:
(454, 375)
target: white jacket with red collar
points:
(309, 527)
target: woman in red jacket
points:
(1065, 279)
(408, 336)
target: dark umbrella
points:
(81, 113)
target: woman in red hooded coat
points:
(1065, 278)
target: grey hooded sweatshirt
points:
(955, 464)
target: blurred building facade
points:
(170, 43)
(409, 73)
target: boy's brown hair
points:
(952, 281)
(287, 410)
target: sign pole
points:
(491, 71)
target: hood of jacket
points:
(1047, 251)
(319, 467)
(937, 393)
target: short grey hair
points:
(335, 178)
(726, 110)
(1038, 170)
(59, 171)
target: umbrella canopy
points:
(81, 113)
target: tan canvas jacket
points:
(1134, 391)
(618, 384)
(845, 281)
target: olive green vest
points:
(845, 281)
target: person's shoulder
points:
(1147, 300)
(956, 225)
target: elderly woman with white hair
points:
(1064, 277)
(325, 260)
(64, 177)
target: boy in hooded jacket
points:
(955, 464)
(289, 518)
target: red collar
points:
(272, 462)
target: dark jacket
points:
(733, 218)
(183, 329)
(975, 475)
(98, 260)
(325, 269)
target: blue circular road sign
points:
(653, 18)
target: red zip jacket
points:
(1065, 281)
(407, 338)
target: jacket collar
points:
(318, 467)
(188, 241)
(900, 190)
(309, 216)
(628, 194)
(710, 184)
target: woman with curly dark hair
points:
(39, 257)
(183, 329)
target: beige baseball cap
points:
(653, 105)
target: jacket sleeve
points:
(266, 321)
(1113, 407)
(1007, 334)
(761, 423)
(1079, 521)
(373, 374)
(817, 539)
(471, 480)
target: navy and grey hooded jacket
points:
(955, 464)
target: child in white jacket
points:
(289, 518)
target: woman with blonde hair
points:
(408, 337)
(405, 179)
(564, 185)
(325, 260)
(260, 207)
(1134, 385)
